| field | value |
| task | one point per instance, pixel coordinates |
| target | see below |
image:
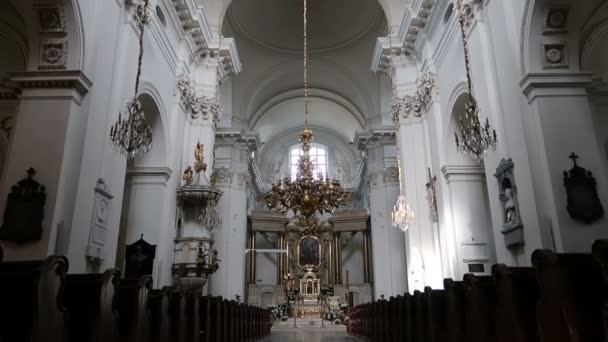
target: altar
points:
(310, 287)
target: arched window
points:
(318, 155)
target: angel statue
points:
(188, 174)
(199, 165)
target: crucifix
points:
(574, 157)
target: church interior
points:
(303, 170)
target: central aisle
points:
(309, 331)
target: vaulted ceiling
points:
(268, 91)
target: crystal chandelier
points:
(402, 215)
(475, 138)
(306, 194)
(132, 136)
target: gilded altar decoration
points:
(199, 164)
(24, 211)
(475, 138)
(132, 136)
(307, 194)
(583, 201)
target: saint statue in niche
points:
(509, 206)
(309, 251)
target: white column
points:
(148, 192)
(423, 255)
(48, 137)
(472, 225)
(561, 122)
(411, 104)
(231, 168)
(200, 126)
(388, 247)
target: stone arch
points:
(594, 51)
(157, 114)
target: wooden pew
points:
(158, 315)
(455, 310)
(572, 295)
(516, 302)
(88, 300)
(129, 306)
(436, 308)
(480, 301)
(418, 317)
(30, 293)
(600, 254)
(404, 317)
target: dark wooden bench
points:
(455, 310)
(158, 315)
(516, 303)
(31, 300)
(130, 308)
(418, 316)
(480, 301)
(600, 254)
(88, 299)
(572, 295)
(436, 308)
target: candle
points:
(347, 285)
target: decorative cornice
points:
(416, 104)
(362, 138)
(153, 172)
(195, 29)
(70, 79)
(199, 106)
(463, 172)
(414, 22)
(556, 84)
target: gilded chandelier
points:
(475, 138)
(132, 137)
(306, 195)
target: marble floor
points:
(309, 331)
(309, 335)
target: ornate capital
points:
(416, 104)
(199, 106)
(467, 10)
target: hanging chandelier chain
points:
(305, 14)
(307, 194)
(467, 62)
(143, 20)
(476, 138)
(132, 137)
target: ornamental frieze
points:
(417, 104)
(199, 106)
